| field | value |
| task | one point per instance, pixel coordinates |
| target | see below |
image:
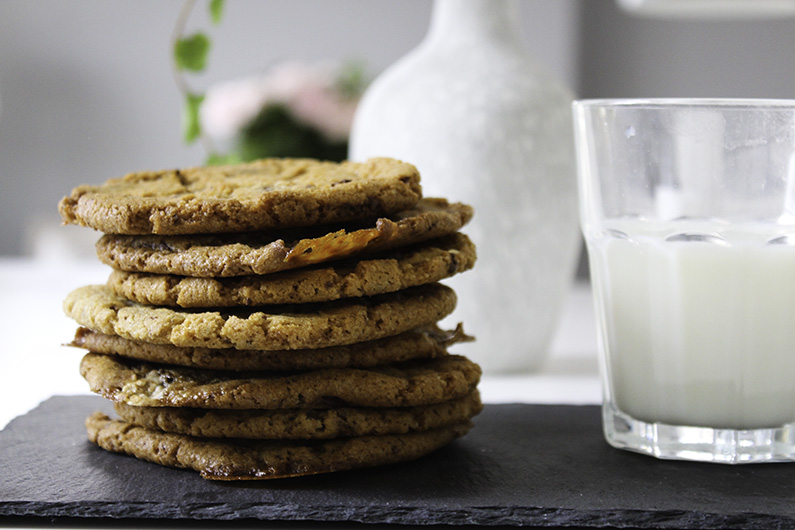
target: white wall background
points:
(629, 56)
(87, 91)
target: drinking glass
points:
(687, 207)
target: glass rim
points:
(684, 103)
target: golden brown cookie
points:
(253, 253)
(236, 459)
(322, 424)
(409, 384)
(420, 343)
(269, 193)
(290, 327)
(377, 274)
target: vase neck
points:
(460, 20)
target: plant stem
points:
(179, 30)
(179, 77)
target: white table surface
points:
(35, 365)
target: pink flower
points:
(229, 106)
(309, 91)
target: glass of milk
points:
(688, 211)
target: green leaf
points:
(216, 10)
(190, 53)
(191, 126)
(215, 159)
(274, 132)
(352, 80)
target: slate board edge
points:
(478, 516)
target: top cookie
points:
(268, 193)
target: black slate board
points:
(522, 464)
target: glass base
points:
(702, 444)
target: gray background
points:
(87, 93)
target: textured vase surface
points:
(485, 125)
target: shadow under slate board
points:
(542, 465)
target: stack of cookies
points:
(275, 318)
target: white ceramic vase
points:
(485, 125)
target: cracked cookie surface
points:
(419, 343)
(268, 193)
(255, 459)
(372, 275)
(254, 253)
(295, 326)
(409, 384)
(320, 424)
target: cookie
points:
(420, 343)
(385, 273)
(323, 424)
(269, 193)
(409, 384)
(225, 255)
(250, 459)
(289, 327)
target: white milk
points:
(698, 332)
